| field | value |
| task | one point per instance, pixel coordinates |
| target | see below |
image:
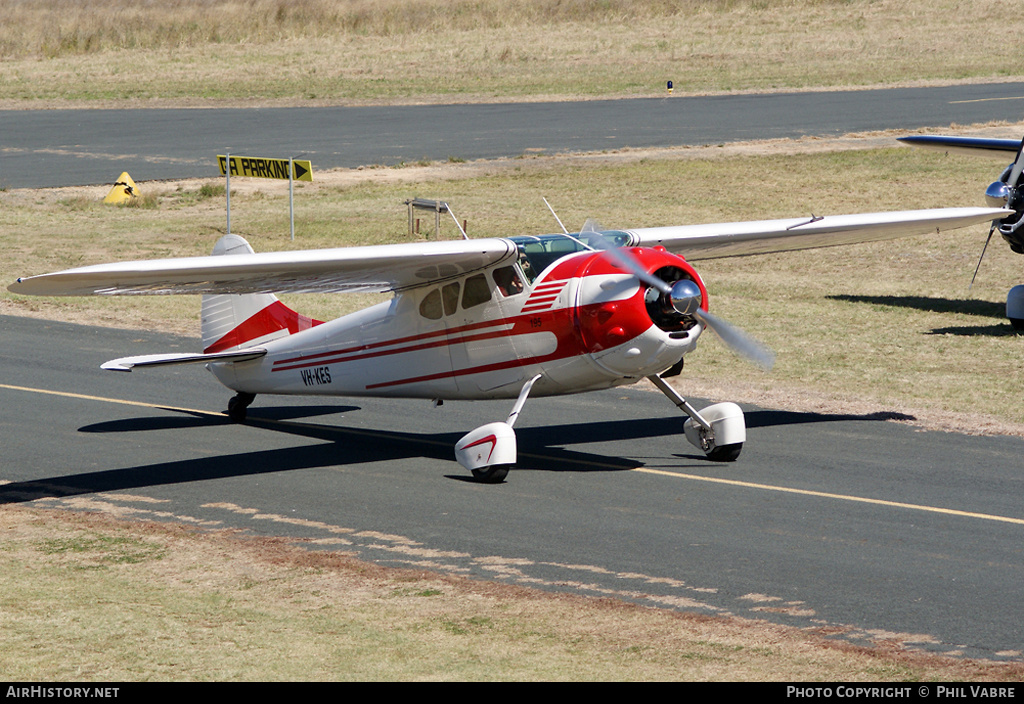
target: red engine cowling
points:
(612, 307)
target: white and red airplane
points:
(497, 318)
(1007, 192)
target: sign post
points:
(261, 167)
(227, 190)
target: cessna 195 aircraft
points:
(498, 318)
(1007, 192)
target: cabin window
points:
(430, 306)
(450, 297)
(444, 301)
(538, 252)
(508, 281)
(440, 302)
(524, 265)
(477, 291)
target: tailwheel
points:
(238, 404)
(494, 474)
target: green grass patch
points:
(103, 549)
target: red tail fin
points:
(246, 320)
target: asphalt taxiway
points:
(45, 148)
(872, 528)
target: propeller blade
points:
(1018, 165)
(738, 341)
(623, 258)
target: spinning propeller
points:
(1007, 192)
(685, 298)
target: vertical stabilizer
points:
(230, 322)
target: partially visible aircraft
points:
(499, 318)
(1007, 192)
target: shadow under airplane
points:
(541, 448)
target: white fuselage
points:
(580, 329)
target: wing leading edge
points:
(763, 237)
(377, 268)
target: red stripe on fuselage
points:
(568, 344)
(506, 325)
(367, 349)
(349, 357)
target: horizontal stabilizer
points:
(126, 364)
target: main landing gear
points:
(1015, 307)
(490, 450)
(719, 431)
(238, 404)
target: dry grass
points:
(318, 51)
(86, 597)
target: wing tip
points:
(116, 365)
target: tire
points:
(492, 475)
(725, 453)
(237, 406)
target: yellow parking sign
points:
(262, 167)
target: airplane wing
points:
(974, 146)
(763, 237)
(395, 267)
(377, 268)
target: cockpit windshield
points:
(538, 252)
